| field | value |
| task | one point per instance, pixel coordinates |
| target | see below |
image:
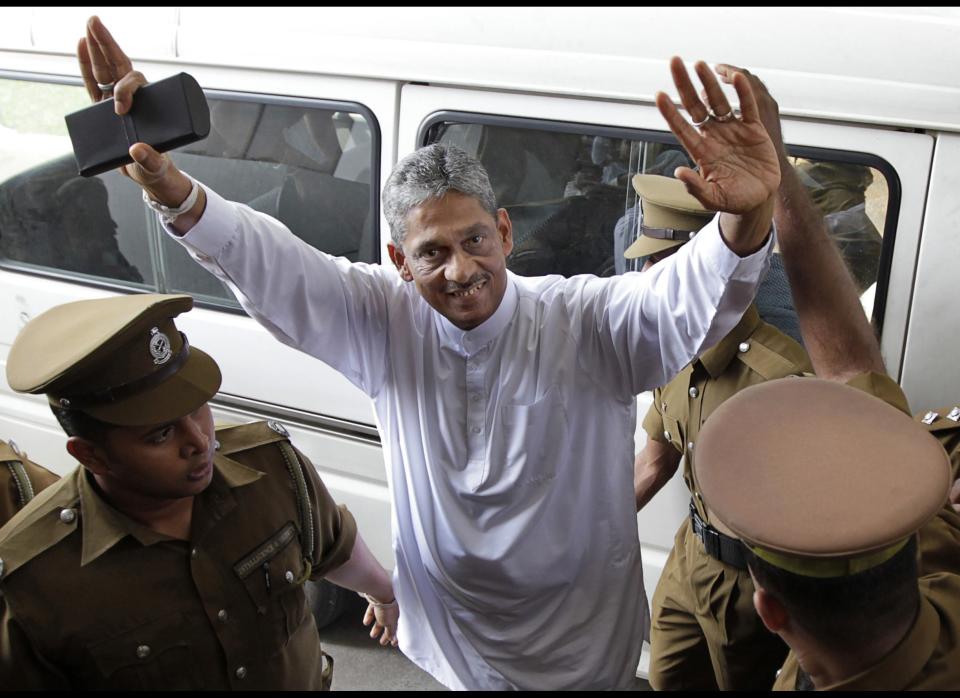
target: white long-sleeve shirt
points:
(509, 447)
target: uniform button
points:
(68, 516)
(289, 576)
(222, 615)
(216, 445)
(278, 427)
(689, 445)
(666, 435)
(663, 406)
(241, 672)
(693, 391)
(13, 447)
(744, 346)
(143, 651)
(194, 552)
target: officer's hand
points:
(384, 618)
(766, 104)
(738, 164)
(103, 62)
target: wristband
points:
(170, 213)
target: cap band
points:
(121, 392)
(666, 233)
(828, 567)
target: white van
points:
(312, 107)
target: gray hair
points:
(432, 172)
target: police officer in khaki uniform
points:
(944, 424)
(704, 632)
(175, 557)
(842, 347)
(831, 492)
(20, 480)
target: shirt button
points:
(289, 576)
(663, 406)
(475, 430)
(68, 516)
(241, 672)
(744, 346)
(689, 445)
(666, 435)
(693, 391)
(475, 397)
(222, 615)
(143, 651)
(194, 552)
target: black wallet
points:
(165, 114)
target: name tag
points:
(267, 550)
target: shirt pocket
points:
(530, 442)
(158, 654)
(273, 574)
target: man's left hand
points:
(737, 162)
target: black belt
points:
(718, 546)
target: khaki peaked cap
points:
(121, 360)
(819, 478)
(669, 215)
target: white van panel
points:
(931, 372)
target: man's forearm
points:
(653, 468)
(836, 333)
(363, 573)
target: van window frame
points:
(622, 132)
(232, 95)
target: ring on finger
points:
(704, 120)
(106, 87)
(722, 117)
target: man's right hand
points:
(102, 61)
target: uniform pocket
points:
(157, 654)
(273, 574)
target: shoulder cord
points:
(24, 487)
(304, 507)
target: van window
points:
(309, 163)
(567, 189)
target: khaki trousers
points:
(705, 633)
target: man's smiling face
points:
(456, 254)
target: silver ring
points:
(723, 117)
(106, 87)
(705, 119)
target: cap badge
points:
(159, 346)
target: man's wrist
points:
(746, 233)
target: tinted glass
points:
(567, 189)
(309, 166)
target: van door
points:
(561, 167)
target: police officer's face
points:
(658, 257)
(162, 461)
(456, 254)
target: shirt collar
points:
(103, 526)
(905, 662)
(718, 357)
(468, 342)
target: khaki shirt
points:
(927, 656)
(93, 600)
(20, 480)
(946, 427)
(753, 352)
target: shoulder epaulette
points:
(234, 439)
(943, 419)
(242, 437)
(38, 527)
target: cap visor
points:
(644, 246)
(182, 393)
